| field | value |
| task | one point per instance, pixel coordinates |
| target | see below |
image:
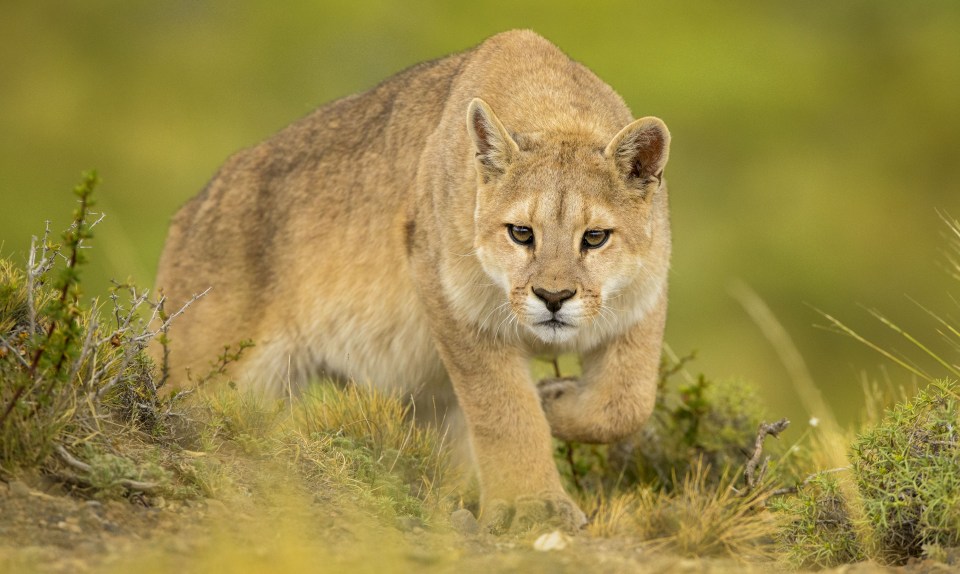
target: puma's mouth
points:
(553, 331)
(554, 324)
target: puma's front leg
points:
(617, 391)
(520, 485)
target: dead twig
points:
(10, 348)
(753, 476)
(129, 484)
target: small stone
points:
(18, 488)
(555, 540)
(464, 522)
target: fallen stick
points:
(129, 484)
(751, 474)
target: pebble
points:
(464, 521)
(555, 540)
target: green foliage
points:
(679, 483)
(44, 340)
(74, 378)
(718, 420)
(907, 471)
(905, 467)
(108, 471)
(701, 427)
(817, 531)
(907, 495)
(712, 421)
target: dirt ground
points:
(275, 524)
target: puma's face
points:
(564, 224)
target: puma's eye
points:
(520, 234)
(594, 238)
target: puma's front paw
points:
(545, 511)
(552, 389)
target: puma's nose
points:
(553, 299)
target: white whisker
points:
(483, 324)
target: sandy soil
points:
(275, 524)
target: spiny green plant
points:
(907, 471)
(816, 528)
(905, 466)
(906, 497)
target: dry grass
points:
(694, 518)
(366, 439)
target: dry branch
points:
(129, 484)
(751, 473)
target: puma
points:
(433, 234)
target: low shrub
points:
(907, 472)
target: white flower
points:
(814, 421)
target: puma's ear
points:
(640, 151)
(494, 146)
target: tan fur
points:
(369, 242)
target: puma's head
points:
(565, 223)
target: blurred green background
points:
(813, 143)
